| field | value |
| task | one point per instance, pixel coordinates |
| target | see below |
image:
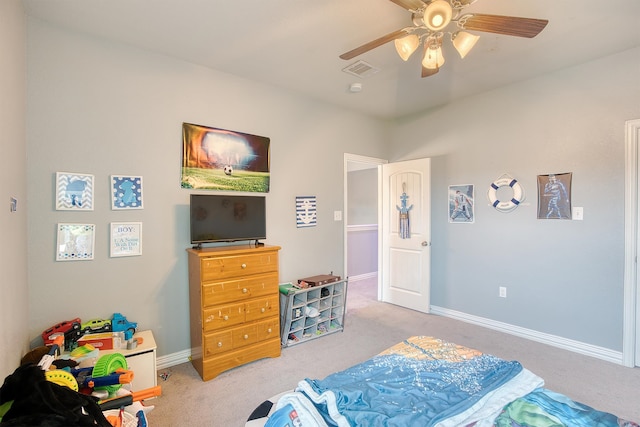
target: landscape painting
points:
(224, 160)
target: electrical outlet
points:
(503, 292)
(337, 215)
(577, 214)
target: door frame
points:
(356, 162)
(631, 302)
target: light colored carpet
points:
(370, 327)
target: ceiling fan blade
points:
(426, 72)
(410, 5)
(507, 25)
(373, 44)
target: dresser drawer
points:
(262, 308)
(217, 343)
(269, 329)
(245, 336)
(223, 316)
(239, 289)
(236, 266)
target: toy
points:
(71, 330)
(96, 325)
(127, 400)
(85, 378)
(119, 323)
(48, 358)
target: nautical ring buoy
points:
(509, 205)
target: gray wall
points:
(563, 278)
(14, 305)
(362, 188)
(102, 108)
(362, 221)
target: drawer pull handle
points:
(244, 265)
(245, 290)
(220, 344)
(208, 319)
(226, 317)
(269, 330)
(246, 337)
(262, 310)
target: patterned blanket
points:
(425, 381)
(420, 381)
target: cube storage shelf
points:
(312, 313)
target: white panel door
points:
(406, 241)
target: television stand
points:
(257, 243)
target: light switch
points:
(337, 215)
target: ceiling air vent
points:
(361, 69)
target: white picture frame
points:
(74, 191)
(75, 242)
(126, 239)
(126, 192)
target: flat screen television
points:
(223, 218)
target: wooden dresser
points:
(234, 302)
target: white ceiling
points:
(295, 44)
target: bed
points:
(426, 381)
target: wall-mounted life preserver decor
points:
(508, 205)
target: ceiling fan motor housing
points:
(437, 15)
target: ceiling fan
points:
(431, 21)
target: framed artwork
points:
(219, 159)
(74, 191)
(126, 239)
(554, 196)
(75, 242)
(306, 211)
(126, 192)
(461, 204)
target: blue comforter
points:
(424, 381)
(416, 386)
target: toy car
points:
(119, 323)
(70, 328)
(95, 326)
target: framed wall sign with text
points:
(126, 239)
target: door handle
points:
(425, 243)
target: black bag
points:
(41, 403)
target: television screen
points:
(222, 218)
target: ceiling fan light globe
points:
(437, 15)
(405, 46)
(464, 42)
(433, 58)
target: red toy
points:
(69, 328)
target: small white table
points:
(141, 360)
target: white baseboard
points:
(184, 356)
(173, 359)
(364, 276)
(552, 340)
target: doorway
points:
(361, 223)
